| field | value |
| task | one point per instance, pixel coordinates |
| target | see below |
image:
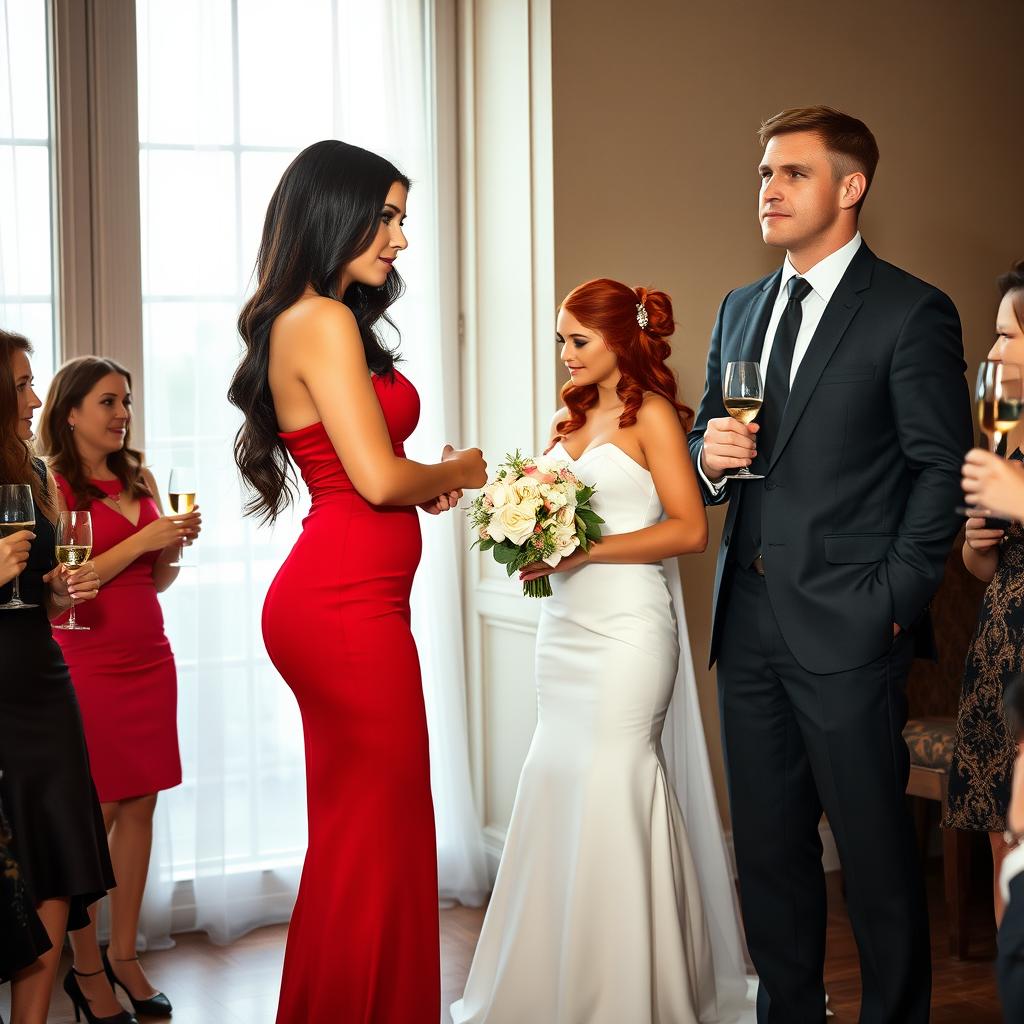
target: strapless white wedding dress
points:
(613, 902)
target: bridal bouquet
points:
(535, 510)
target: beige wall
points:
(656, 105)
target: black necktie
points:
(780, 366)
(747, 529)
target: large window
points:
(26, 243)
(206, 174)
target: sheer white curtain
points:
(26, 253)
(229, 91)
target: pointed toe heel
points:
(81, 1003)
(155, 1006)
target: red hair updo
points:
(611, 308)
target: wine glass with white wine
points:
(742, 395)
(17, 512)
(999, 401)
(73, 539)
(181, 490)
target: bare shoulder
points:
(656, 411)
(562, 414)
(150, 480)
(657, 424)
(317, 321)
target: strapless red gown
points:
(363, 940)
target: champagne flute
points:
(73, 538)
(742, 395)
(181, 490)
(17, 512)
(999, 398)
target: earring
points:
(71, 427)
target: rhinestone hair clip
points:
(641, 315)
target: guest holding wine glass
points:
(993, 551)
(55, 834)
(120, 660)
(22, 935)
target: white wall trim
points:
(506, 270)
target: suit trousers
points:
(797, 743)
(1010, 957)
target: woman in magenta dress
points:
(319, 389)
(122, 668)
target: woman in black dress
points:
(55, 834)
(984, 751)
(22, 935)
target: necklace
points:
(114, 496)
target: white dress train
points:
(613, 904)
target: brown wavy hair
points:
(15, 454)
(71, 384)
(610, 308)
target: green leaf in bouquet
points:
(505, 553)
(584, 494)
(486, 543)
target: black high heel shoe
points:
(155, 1006)
(81, 1003)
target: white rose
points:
(556, 497)
(514, 523)
(547, 465)
(566, 517)
(526, 488)
(566, 542)
(500, 494)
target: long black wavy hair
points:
(324, 213)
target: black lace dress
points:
(984, 751)
(55, 846)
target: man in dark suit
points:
(826, 568)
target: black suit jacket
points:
(858, 511)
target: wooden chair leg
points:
(922, 819)
(956, 865)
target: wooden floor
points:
(238, 984)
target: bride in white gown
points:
(614, 904)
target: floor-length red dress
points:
(363, 940)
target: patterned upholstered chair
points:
(934, 692)
(930, 741)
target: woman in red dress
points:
(122, 668)
(319, 389)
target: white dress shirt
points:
(824, 278)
